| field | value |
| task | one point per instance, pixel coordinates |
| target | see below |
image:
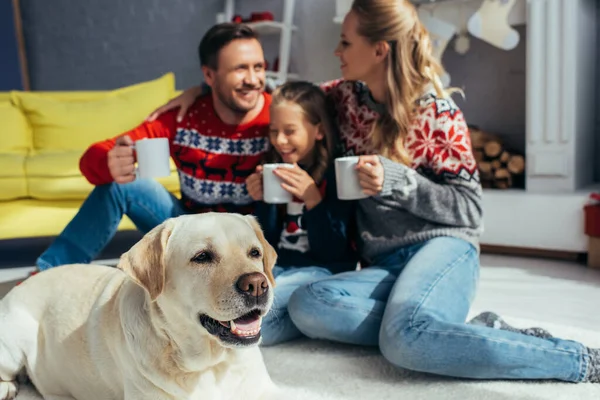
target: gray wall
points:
(104, 44)
(494, 83)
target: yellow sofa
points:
(42, 137)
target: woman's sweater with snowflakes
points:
(439, 194)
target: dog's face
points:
(214, 268)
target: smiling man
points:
(216, 145)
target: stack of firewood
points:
(498, 167)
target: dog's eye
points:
(254, 253)
(203, 257)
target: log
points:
(516, 164)
(479, 156)
(502, 173)
(498, 166)
(479, 138)
(502, 184)
(502, 179)
(492, 149)
(485, 170)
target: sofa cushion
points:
(65, 125)
(12, 165)
(15, 133)
(56, 176)
(36, 218)
(13, 184)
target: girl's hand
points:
(254, 184)
(183, 101)
(299, 183)
(370, 174)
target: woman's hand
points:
(184, 101)
(254, 184)
(299, 183)
(370, 174)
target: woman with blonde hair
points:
(418, 232)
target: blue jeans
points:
(145, 201)
(413, 305)
(277, 327)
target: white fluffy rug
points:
(314, 370)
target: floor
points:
(559, 292)
(560, 296)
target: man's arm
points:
(94, 162)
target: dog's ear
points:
(269, 253)
(145, 263)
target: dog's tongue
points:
(248, 323)
(246, 326)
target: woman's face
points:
(357, 56)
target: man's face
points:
(239, 78)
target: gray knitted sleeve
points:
(445, 187)
(456, 201)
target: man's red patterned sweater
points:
(213, 159)
(439, 194)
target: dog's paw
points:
(8, 390)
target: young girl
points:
(309, 233)
(420, 228)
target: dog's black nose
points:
(253, 285)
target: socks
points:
(593, 372)
(490, 24)
(493, 320)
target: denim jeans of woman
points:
(413, 304)
(277, 327)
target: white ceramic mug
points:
(152, 158)
(272, 191)
(346, 176)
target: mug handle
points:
(136, 169)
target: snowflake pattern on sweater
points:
(435, 152)
(439, 194)
(213, 158)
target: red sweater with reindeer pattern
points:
(213, 159)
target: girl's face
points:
(358, 57)
(292, 136)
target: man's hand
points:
(254, 184)
(370, 174)
(184, 101)
(299, 183)
(121, 162)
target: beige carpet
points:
(315, 370)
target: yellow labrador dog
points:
(179, 319)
